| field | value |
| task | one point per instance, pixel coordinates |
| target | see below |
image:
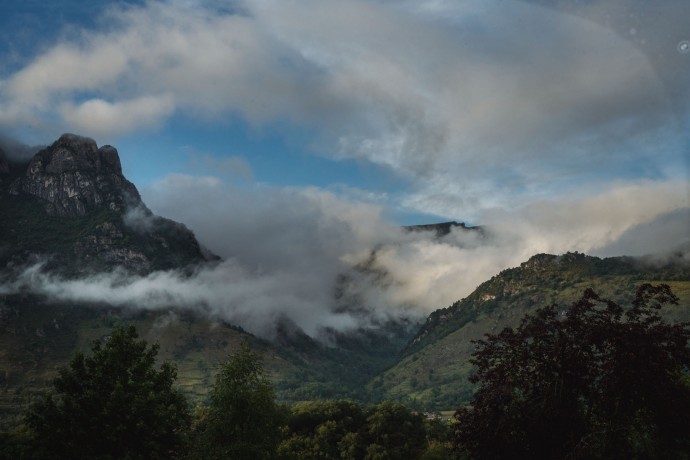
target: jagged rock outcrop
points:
(443, 228)
(70, 203)
(74, 176)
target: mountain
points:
(69, 209)
(433, 368)
(71, 206)
(443, 228)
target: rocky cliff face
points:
(74, 176)
(71, 204)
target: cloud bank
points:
(310, 259)
(481, 104)
(560, 126)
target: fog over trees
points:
(593, 380)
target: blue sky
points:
(433, 110)
(293, 136)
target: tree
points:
(393, 432)
(317, 430)
(596, 381)
(242, 420)
(112, 404)
(343, 429)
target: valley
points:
(422, 363)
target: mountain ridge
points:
(70, 207)
(444, 228)
(433, 368)
(73, 176)
(71, 204)
(496, 288)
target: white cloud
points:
(505, 96)
(232, 166)
(320, 236)
(554, 130)
(227, 291)
(592, 223)
(97, 117)
(664, 234)
(67, 68)
(286, 251)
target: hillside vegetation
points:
(37, 337)
(426, 372)
(433, 370)
(594, 380)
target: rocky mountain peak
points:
(73, 176)
(539, 262)
(443, 228)
(73, 198)
(77, 153)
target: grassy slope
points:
(433, 373)
(342, 369)
(37, 338)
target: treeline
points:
(116, 404)
(596, 380)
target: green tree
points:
(112, 404)
(596, 381)
(322, 430)
(242, 420)
(342, 429)
(393, 432)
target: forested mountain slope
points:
(433, 369)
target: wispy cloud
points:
(100, 117)
(320, 262)
(560, 126)
(508, 97)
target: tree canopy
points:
(242, 420)
(112, 403)
(594, 381)
(343, 429)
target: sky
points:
(295, 136)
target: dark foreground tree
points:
(345, 430)
(242, 420)
(112, 404)
(595, 381)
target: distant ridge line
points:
(441, 228)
